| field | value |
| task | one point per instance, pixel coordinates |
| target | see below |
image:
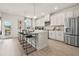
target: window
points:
(28, 23)
(7, 25)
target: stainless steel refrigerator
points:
(71, 31)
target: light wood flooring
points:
(11, 47)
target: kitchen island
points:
(42, 39)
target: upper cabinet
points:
(41, 21)
(53, 20)
(62, 17)
(58, 19)
(76, 11)
(69, 13)
(37, 22)
(47, 17)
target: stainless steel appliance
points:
(71, 33)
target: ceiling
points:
(32, 9)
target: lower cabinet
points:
(56, 35)
(59, 36)
(52, 35)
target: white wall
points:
(14, 20)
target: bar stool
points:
(31, 48)
(28, 42)
(20, 37)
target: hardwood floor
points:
(56, 48)
(11, 47)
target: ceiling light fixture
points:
(55, 8)
(35, 17)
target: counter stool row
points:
(28, 42)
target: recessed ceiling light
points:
(55, 8)
(35, 17)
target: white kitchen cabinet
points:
(57, 19)
(76, 11)
(62, 18)
(56, 35)
(69, 13)
(37, 22)
(47, 17)
(52, 35)
(53, 20)
(40, 22)
(59, 36)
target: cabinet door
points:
(62, 36)
(76, 11)
(59, 36)
(57, 19)
(50, 34)
(53, 35)
(69, 13)
(52, 20)
(62, 18)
